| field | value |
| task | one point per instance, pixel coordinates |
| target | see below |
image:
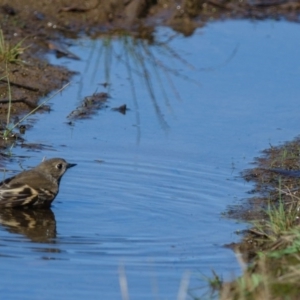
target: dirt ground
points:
(42, 26)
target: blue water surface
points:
(144, 203)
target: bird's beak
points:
(71, 165)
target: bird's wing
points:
(17, 195)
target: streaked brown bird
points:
(34, 188)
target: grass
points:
(10, 127)
(271, 275)
(5, 132)
(271, 262)
(274, 272)
(10, 53)
(281, 219)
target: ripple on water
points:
(142, 210)
(135, 210)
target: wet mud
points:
(276, 177)
(89, 106)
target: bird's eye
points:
(59, 166)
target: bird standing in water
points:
(37, 187)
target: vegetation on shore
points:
(269, 253)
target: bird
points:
(34, 188)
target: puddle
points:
(150, 185)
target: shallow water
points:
(150, 186)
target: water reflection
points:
(150, 64)
(37, 225)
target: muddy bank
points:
(268, 252)
(70, 18)
(276, 177)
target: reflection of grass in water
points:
(181, 294)
(139, 56)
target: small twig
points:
(183, 287)
(13, 100)
(23, 99)
(19, 85)
(217, 3)
(35, 109)
(123, 283)
(252, 230)
(75, 8)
